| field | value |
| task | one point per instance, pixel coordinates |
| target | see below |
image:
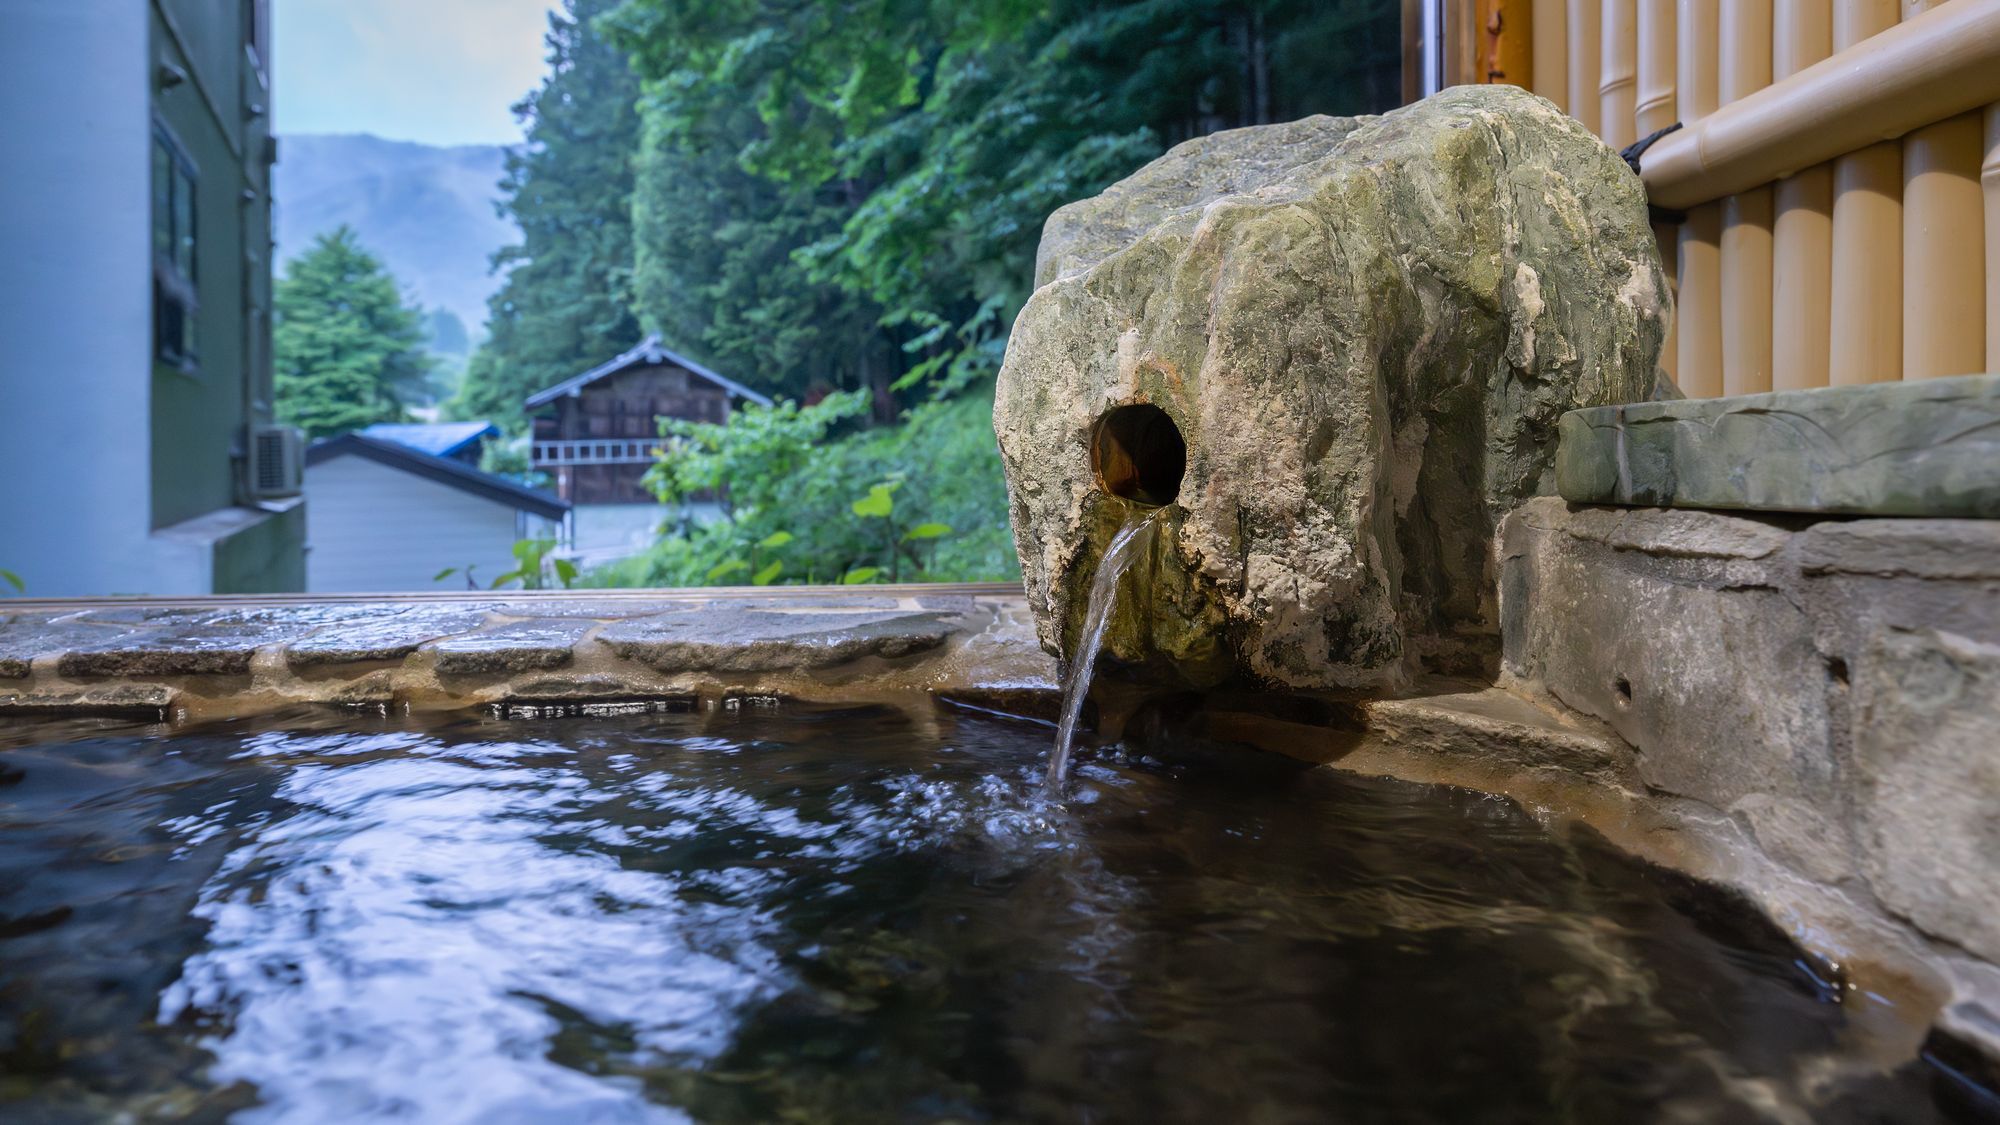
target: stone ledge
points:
(1928, 448)
(235, 656)
(1499, 729)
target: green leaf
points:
(722, 569)
(510, 576)
(920, 372)
(775, 540)
(859, 575)
(440, 576)
(878, 503)
(14, 580)
(769, 574)
(927, 531)
(565, 572)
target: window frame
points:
(257, 34)
(177, 255)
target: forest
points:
(837, 202)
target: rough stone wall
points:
(1834, 685)
(1365, 330)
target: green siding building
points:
(135, 232)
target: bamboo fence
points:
(1833, 193)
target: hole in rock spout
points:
(1133, 540)
(1139, 454)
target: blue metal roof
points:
(445, 471)
(440, 439)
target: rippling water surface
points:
(802, 914)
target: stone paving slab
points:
(1925, 448)
(146, 701)
(181, 641)
(25, 637)
(735, 638)
(389, 636)
(517, 646)
(164, 652)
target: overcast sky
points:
(438, 71)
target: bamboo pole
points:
(1865, 339)
(1655, 108)
(1506, 30)
(1938, 65)
(1549, 29)
(1698, 324)
(1745, 66)
(1698, 36)
(1801, 35)
(1944, 284)
(1855, 20)
(1989, 178)
(1618, 73)
(1459, 26)
(1802, 280)
(1668, 238)
(1417, 49)
(1698, 251)
(1746, 216)
(1746, 292)
(1586, 34)
(1802, 235)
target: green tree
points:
(345, 346)
(810, 499)
(566, 304)
(822, 196)
(942, 132)
(716, 261)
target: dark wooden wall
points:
(626, 405)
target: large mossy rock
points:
(1365, 331)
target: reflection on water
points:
(813, 915)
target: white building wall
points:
(374, 529)
(76, 305)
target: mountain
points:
(426, 211)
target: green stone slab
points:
(1926, 448)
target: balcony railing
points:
(594, 451)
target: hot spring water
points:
(859, 914)
(1133, 540)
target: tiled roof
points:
(650, 352)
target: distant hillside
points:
(426, 211)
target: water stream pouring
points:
(1133, 539)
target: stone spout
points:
(1337, 349)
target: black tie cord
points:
(1631, 153)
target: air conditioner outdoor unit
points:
(277, 461)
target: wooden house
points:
(594, 434)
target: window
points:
(174, 272)
(256, 26)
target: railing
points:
(594, 451)
(1838, 166)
